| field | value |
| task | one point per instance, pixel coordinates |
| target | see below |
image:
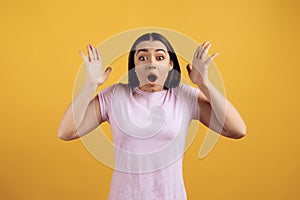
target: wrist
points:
(91, 85)
(203, 84)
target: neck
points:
(151, 88)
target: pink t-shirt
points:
(149, 131)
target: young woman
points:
(149, 117)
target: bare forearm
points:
(226, 114)
(75, 113)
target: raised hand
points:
(93, 64)
(198, 71)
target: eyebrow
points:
(146, 50)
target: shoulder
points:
(113, 87)
(187, 92)
(185, 88)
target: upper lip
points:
(151, 73)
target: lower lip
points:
(151, 83)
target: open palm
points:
(198, 71)
(93, 64)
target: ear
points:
(171, 65)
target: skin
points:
(215, 111)
(152, 57)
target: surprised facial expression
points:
(152, 65)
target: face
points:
(152, 65)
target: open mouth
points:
(152, 77)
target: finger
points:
(85, 59)
(212, 57)
(108, 69)
(189, 68)
(196, 54)
(97, 54)
(205, 51)
(205, 43)
(93, 52)
(202, 48)
(200, 51)
(106, 73)
(90, 52)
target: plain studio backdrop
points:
(258, 43)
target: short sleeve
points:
(105, 98)
(190, 96)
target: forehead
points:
(151, 45)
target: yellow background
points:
(258, 43)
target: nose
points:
(151, 66)
(152, 63)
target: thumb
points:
(189, 68)
(107, 72)
(108, 69)
(83, 56)
(104, 76)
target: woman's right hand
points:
(93, 64)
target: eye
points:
(160, 57)
(142, 58)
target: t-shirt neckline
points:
(137, 89)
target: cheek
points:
(140, 68)
(137, 62)
(164, 72)
(140, 73)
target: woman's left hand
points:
(198, 71)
